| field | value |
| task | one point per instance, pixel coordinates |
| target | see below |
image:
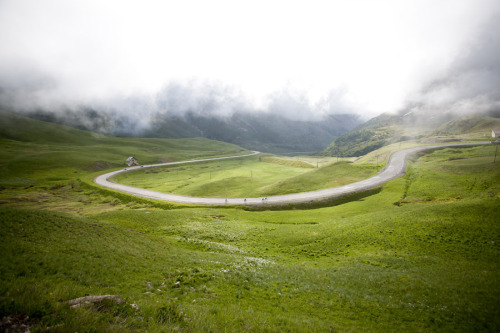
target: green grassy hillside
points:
(18, 128)
(470, 124)
(35, 151)
(421, 254)
(249, 177)
(393, 128)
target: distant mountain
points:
(267, 132)
(264, 132)
(390, 128)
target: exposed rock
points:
(89, 300)
(15, 323)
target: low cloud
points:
(472, 83)
(129, 61)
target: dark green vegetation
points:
(250, 177)
(268, 132)
(411, 126)
(421, 254)
(358, 142)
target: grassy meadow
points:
(248, 177)
(419, 255)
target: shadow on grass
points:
(126, 198)
(358, 196)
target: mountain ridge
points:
(267, 132)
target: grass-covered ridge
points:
(469, 124)
(406, 127)
(419, 255)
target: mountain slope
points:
(19, 128)
(33, 150)
(264, 132)
(469, 124)
(391, 128)
(268, 132)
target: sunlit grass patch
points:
(287, 161)
(461, 173)
(249, 177)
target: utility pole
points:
(496, 149)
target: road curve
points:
(396, 167)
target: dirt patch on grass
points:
(99, 165)
(216, 217)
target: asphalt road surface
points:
(395, 168)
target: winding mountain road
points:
(395, 168)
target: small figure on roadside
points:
(226, 200)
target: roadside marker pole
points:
(496, 149)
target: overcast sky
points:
(363, 56)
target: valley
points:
(249, 166)
(395, 167)
(418, 254)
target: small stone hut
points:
(495, 133)
(131, 161)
